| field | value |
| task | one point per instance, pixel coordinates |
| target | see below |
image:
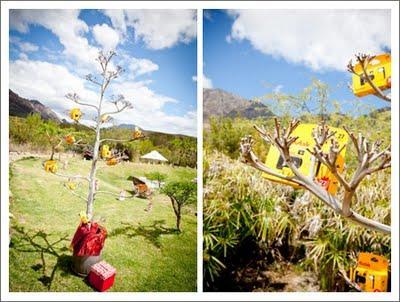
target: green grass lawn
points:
(144, 247)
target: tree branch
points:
(282, 139)
(76, 99)
(79, 142)
(248, 157)
(125, 106)
(348, 280)
(72, 176)
(76, 194)
(120, 140)
(92, 79)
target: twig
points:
(76, 194)
(349, 282)
(120, 140)
(76, 99)
(72, 176)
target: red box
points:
(102, 276)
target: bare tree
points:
(371, 158)
(364, 60)
(107, 76)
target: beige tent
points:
(154, 157)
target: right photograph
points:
(297, 154)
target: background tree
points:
(53, 134)
(157, 176)
(180, 194)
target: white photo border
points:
(199, 295)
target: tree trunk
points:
(92, 176)
(178, 219)
(177, 211)
(52, 152)
(178, 222)
(346, 205)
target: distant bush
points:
(32, 131)
(157, 176)
(225, 133)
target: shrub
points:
(157, 176)
(180, 194)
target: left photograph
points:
(103, 150)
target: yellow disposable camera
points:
(371, 273)
(105, 151)
(303, 159)
(379, 71)
(50, 166)
(75, 114)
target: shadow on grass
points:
(133, 193)
(30, 242)
(142, 196)
(151, 233)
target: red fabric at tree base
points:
(88, 240)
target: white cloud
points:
(277, 88)
(148, 110)
(207, 82)
(23, 56)
(143, 98)
(207, 14)
(194, 78)
(320, 39)
(157, 28)
(65, 24)
(24, 46)
(107, 37)
(28, 47)
(161, 122)
(48, 83)
(141, 66)
(117, 17)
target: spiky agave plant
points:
(236, 208)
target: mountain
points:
(148, 132)
(377, 111)
(217, 102)
(127, 126)
(22, 107)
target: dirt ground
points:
(252, 269)
(282, 277)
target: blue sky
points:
(253, 53)
(51, 51)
